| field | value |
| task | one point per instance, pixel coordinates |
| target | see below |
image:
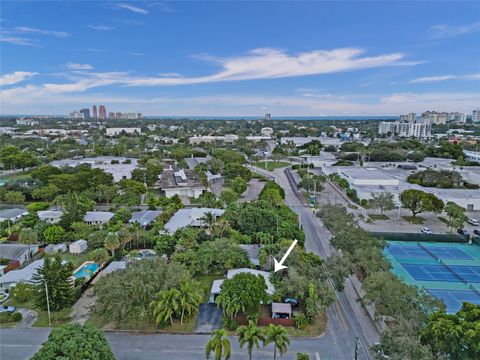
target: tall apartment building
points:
(118, 115)
(102, 112)
(405, 129)
(111, 115)
(433, 117)
(410, 117)
(95, 115)
(476, 115)
(86, 113)
(457, 117)
(77, 115)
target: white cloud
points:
(439, 78)
(73, 66)
(16, 77)
(447, 31)
(133, 53)
(25, 29)
(132, 8)
(100, 27)
(18, 40)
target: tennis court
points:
(456, 273)
(448, 271)
(453, 299)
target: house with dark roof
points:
(184, 183)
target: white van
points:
(473, 222)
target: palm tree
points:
(28, 236)
(277, 335)
(219, 344)
(189, 299)
(124, 236)
(209, 218)
(167, 305)
(250, 335)
(112, 242)
(100, 255)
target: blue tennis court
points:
(441, 273)
(453, 299)
(417, 252)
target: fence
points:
(415, 237)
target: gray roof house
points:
(190, 217)
(24, 275)
(13, 215)
(17, 251)
(145, 218)
(50, 216)
(98, 217)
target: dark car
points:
(291, 301)
(463, 232)
(476, 232)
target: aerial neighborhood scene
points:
(239, 180)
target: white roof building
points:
(78, 247)
(98, 217)
(190, 217)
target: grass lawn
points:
(76, 259)
(442, 219)
(378, 217)
(143, 325)
(206, 282)
(414, 220)
(316, 329)
(17, 176)
(57, 318)
(271, 165)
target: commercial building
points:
(86, 113)
(184, 183)
(26, 122)
(102, 112)
(266, 131)
(118, 131)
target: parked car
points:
(10, 309)
(3, 297)
(476, 232)
(463, 232)
(426, 230)
(473, 222)
(291, 301)
(280, 316)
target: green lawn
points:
(414, 220)
(271, 165)
(76, 259)
(57, 318)
(205, 282)
(378, 217)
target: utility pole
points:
(48, 304)
(356, 348)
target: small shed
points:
(55, 248)
(78, 247)
(281, 310)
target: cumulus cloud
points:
(16, 77)
(132, 8)
(440, 78)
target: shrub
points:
(300, 321)
(22, 292)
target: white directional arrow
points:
(279, 265)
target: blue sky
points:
(240, 58)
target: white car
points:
(473, 222)
(426, 230)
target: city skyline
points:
(302, 59)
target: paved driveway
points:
(209, 318)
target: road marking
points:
(317, 356)
(341, 316)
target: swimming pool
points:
(86, 270)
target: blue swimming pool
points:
(86, 270)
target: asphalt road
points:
(21, 344)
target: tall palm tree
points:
(250, 335)
(124, 236)
(278, 336)
(28, 236)
(189, 299)
(167, 305)
(219, 344)
(112, 242)
(210, 219)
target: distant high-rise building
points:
(118, 115)
(476, 115)
(102, 112)
(267, 116)
(433, 117)
(95, 116)
(111, 115)
(457, 117)
(86, 113)
(77, 115)
(410, 117)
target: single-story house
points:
(190, 217)
(281, 310)
(24, 275)
(217, 284)
(184, 183)
(252, 251)
(12, 215)
(98, 217)
(18, 252)
(145, 218)
(55, 248)
(50, 216)
(78, 247)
